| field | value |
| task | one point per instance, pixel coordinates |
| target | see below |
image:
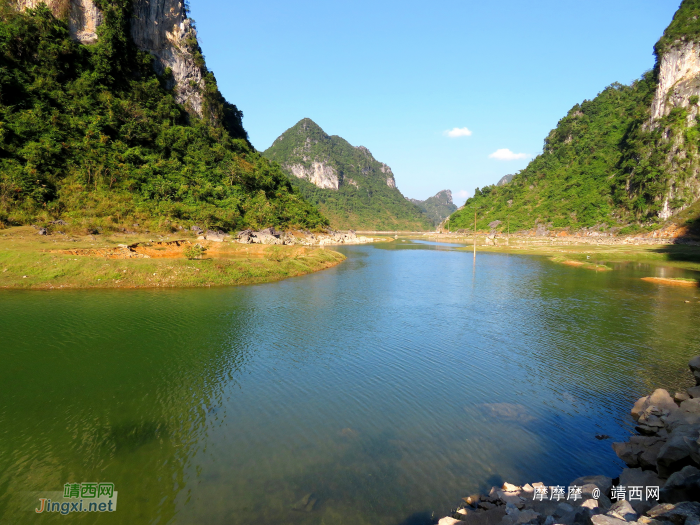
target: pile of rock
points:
(660, 487)
(305, 238)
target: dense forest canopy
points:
(93, 135)
(366, 197)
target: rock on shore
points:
(665, 455)
(305, 238)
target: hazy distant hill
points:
(438, 207)
(346, 183)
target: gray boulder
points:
(694, 365)
(602, 519)
(603, 483)
(681, 449)
(660, 399)
(622, 510)
(685, 513)
(683, 485)
(679, 397)
(215, 236)
(636, 477)
(693, 392)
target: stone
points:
(509, 497)
(678, 513)
(42, 231)
(549, 520)
(507, 487)
(683, 485)
(679, 397)
(660, 399)
(692, 406)
(527, 516)
(465, 512)
(473, 499)
(215, 236)
(563, 508)
(676, 453)
(694, 392)
(646, 520)
(636, 477)
(602, 519)
(590, 504)
(638, 407)
(622, 510)
(603, 483)
(694, 365)
(628, 452)
(448, 520)
(488, 517)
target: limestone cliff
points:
(160, 27)
(679, 80)
(346, 182)
(319, 173)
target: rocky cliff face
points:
(160, 27)
(678, 87)
(319, 173)
(679, 80)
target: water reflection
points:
(379, 391)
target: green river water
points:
(383, 389)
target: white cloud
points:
(506, 154)
(459, 197)
(458, 132)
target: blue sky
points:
(396, 76)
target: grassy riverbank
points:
(29, 261)
(589, 254)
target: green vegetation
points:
(364, 200)
(572, 183)
(195, 251)
(685, 27)
(28, 261)
(91, 135)
(604, 166)
(438, 207)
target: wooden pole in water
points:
(474, 234)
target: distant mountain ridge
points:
(438, 207)
(348, 185)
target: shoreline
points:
(575, 250)
(660, 486)
(32, 262)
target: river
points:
(376, 392)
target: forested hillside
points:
(346, 183)
(92, 135)
(625, 161)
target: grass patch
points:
(28, 261)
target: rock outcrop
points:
(319, 174)
(160, 27)
(660, 487)
(305, 238)
(679, 80)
